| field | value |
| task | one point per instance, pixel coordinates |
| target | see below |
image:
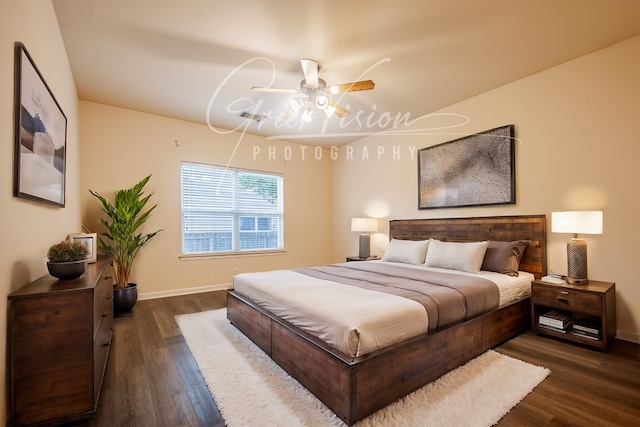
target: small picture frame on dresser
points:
(90, 240)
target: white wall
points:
(120, 147)
(28, 228)
(577, 149)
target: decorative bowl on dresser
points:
(67, 270)
(59, 335)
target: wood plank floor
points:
(152, 379)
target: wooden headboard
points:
(503, 228)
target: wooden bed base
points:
(354, 388)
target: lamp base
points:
(577, 262)
(365, 246)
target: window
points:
(228, 210)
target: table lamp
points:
(577, 222)
(364, 226)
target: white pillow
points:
(406, 251)
(456, 256)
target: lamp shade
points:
(577, 222)
(364, 225)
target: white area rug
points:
(251, 390)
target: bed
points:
(355, 385)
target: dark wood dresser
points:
(59, 334)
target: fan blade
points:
(273, 90)
(351, 87)
(339, 111)
(310, 71)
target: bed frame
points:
(354, 388)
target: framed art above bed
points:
(471, 171)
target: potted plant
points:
(122, 240)
(67, 260)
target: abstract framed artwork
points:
(40, 131)
(474, 170)
(90, 240)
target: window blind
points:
(230, 210)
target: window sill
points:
(208, 256)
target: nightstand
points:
(357, 258)
(589, 311)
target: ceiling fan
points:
(315, 92)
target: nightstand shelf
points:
(590, 307)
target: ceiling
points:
(197, 60)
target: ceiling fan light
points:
(296, 104)
(322, 102)
(307, 116)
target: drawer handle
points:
(104, 314)
(562, 299)
(107, 277)
(107, 344)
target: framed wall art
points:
(474, 170)
(90, 240)
(40, 135)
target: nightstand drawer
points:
(567, 299)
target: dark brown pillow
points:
(504, 257)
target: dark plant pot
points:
(67, 270)
(124, 299)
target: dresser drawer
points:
(567, 299)
(103, 328)
(101, 346)
(103, 299)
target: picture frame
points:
(475, 170)
(40, 133)
(90, 240)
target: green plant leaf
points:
(124, 217)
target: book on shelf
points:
(554, 319)
(554, 323)
(587, 326)
(556, 315)
(591, 336)
(551, 328)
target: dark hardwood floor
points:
(152, 379)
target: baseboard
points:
(628, 336)
(185, 291)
